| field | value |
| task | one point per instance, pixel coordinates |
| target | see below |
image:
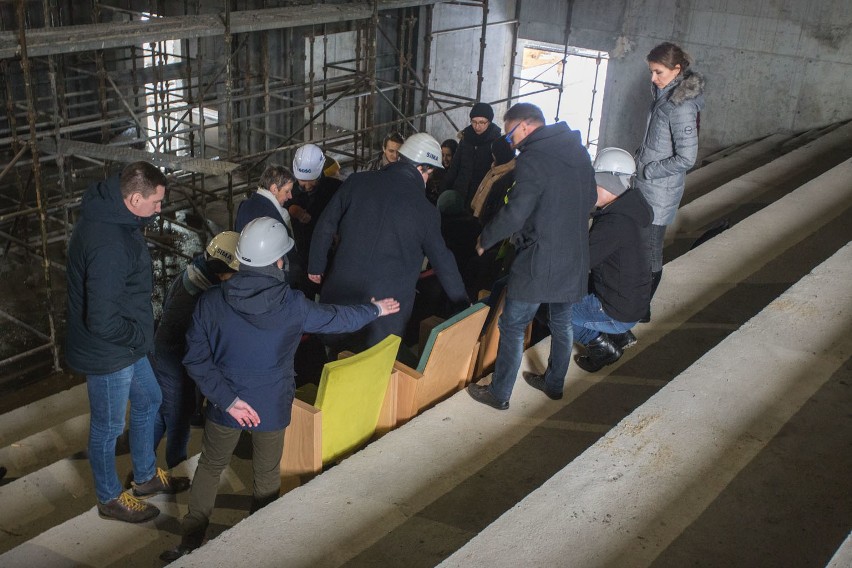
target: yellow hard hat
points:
(224, 247)
(331, 167)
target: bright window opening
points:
(567, 84)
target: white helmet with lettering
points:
(422, 148)
(308, 162)
(263, 241)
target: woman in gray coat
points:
(670, 145)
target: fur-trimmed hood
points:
(688, 86)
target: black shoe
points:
(188, 543)
(162, 482)
(482, 394)
(624, 340)
(600, 352)
(175, 553)
(127, 508)
(537, 382)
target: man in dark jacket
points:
(618, 251)
(110, 333)
(310, 199)
(218, 263)
(240, 349)
(386, 227)
(472, 160)
(546, 217)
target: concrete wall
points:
(770, 64)
(455, 60)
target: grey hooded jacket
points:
(670, 145)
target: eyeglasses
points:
(509, 134)
(480, 122)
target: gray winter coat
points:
(670, 145)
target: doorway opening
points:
(567, 83)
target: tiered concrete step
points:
(38, 434)
(733, 163)
(810, 135)
(730, 163)
(49, 479)
(643, 493)
(50, 515)
(743, 196)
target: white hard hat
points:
(421, 148)
(308, 162)
(263, 241)
(224, 247)
(613, 169)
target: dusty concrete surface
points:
(740, 461)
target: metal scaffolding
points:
(209, 91)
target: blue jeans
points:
(178, 403)
(108, 396)
(589, 319)
(656, 241)
(513, 323)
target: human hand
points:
(244, 414)
(386, 306)
(315, 278)
(479, 250)
(299, 213)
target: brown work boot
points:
(162, 482)
(127, 508)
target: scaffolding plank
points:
(73, 39)
(127, 155)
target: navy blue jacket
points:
(110, 317)
(386, 227)
(243, 338)
(618, 255)
(255, 207)
(547, 216)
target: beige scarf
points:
(484, 188)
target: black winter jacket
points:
(471, 161)
(110, 317)
(547, 217)
(618, 250)
(386, 227)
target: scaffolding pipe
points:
(482, 45)
(25, 67)
(564, 57)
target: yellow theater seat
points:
(345, 411)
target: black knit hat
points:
(482, 109)
(502, 151)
